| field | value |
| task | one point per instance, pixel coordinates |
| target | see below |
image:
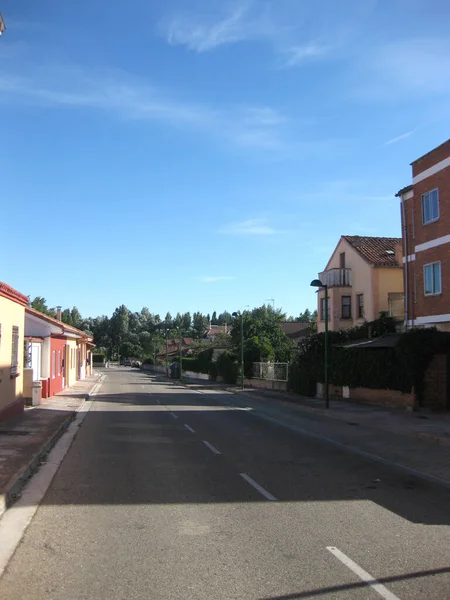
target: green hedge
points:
(198, 364)
(401, 367)
(227, 367)
(213, 370)
(301, 381)
(98, 358)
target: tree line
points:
(142, 334)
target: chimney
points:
(398, 254)
(58, 313)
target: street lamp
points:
(167, 353)
(317, 283)
(235, 314)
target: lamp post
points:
(235, 314)
(181, 355)
(167, 352)
(317, 283)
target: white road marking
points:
(211, 447)
(267, 495)
(158, 401)
(173, 415)
(363, 575)
(189, 428)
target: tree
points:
(40, 304)
(119, 324)
(168, 321)
(76, 318)
(224, 318)
(66, 316)
(199, 325)
(214, 320)
(186, 322)
(263, 337)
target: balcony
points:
(336, 277)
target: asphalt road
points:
(167, 493)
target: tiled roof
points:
(295, 329)
(8, 292)
(378, 251)
(65, 328)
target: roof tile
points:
(379, 251)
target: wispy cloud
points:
(284, 25)
(403, 136)
(213, 278)
(119, 93)
(233, 23)
(250, 227)
(296, 55)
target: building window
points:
(430, 206)
(322, 309)
(15, 352)
(59, 363)
(360, 298)
(432, 279)
(53, 364)
(346, 307)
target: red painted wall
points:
(56, 380)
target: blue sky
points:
(207, 154)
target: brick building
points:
(425, 208)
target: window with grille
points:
(15, 352)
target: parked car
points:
(127, 363)
(136, 364)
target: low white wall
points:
(266, 384)
(192, 375)
(153, 369)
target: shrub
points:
(213, 370)
(148, 361)
(98, 358)
(301, 380)
(227, 367)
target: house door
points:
(36, 360)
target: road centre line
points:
(211, 447)
(362, 574)
(189, 428)
(267, 495)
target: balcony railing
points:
(336, 277)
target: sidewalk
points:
(28, 437)
(428, 426)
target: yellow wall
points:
(388, 280)
(361, 284)
(11, 314)
(71, 358)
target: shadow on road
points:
(131, 450)
(359, 585)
